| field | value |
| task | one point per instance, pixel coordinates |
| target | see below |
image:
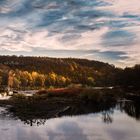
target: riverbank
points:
(52, 103)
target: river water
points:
(119, 123)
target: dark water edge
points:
(39, 108)
(131, 108)
(113, 124)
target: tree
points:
(34, 76)
(40, 80)
(24, 78)
(61, 80)
(0, 80)
(16, 83)
(52, 78)
(11, 78)
(90, 81)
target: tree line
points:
(18, 72)
(17, 79)
(130, 76)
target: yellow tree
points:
(52, 78)
(10, 78)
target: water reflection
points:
(81, 127)
(132, 108)
(33, 116)
(32, 122)
(107, 116)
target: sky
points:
(104, 30)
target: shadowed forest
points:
(35, 72)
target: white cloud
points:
(25, 34)
(88, 40)
(123, 6)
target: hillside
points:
(45, 71)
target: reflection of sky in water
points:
(85, 127)
(41, 27)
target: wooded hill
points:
(44, 71)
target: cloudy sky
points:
(104, 30)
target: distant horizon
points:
(71, 58)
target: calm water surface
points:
(114, 124)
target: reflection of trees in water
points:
(107, 116)
(132, 108)
(32, 122)
(106, 108)
(33, 118)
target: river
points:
(119, 123)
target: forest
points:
(31, 72)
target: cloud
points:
(121, 7)
(118, 38)
(109, 27)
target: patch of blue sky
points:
(116, 38)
